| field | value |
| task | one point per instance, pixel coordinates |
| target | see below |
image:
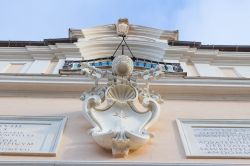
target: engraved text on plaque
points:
(30, 135)
(216, 138)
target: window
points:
(51, 67)
(191, 69)
(229, 72)
(14, 68)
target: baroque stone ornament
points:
(122, 27)
(113, 111)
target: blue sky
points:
(208, 21)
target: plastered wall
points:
(166, 147)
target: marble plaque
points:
(30, 135)
(215, 138)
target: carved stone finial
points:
(122, 65)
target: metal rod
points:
(118, 47)
(129, 49)
(123, 49)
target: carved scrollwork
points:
(121, 127)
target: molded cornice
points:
(177, 88)
(40, 52)
(184, 53)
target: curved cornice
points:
(105, 47)
(136, 30)
(102, 41)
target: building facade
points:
(204, 83)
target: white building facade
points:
(200, 82)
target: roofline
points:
(191, 44)
(198, 45)
(45, 42)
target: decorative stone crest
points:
(112, 109)
(117, 122)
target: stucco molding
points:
(172, 80)
(207, 56)
(110, 30)
(40, 52)
(175, 88)
(94, 163)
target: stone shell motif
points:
(121, 93)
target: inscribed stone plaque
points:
(215, 138)
(30, 135)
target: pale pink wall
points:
(165, 147)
